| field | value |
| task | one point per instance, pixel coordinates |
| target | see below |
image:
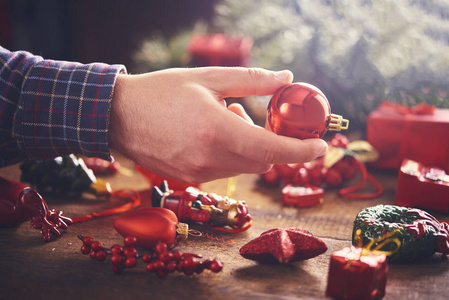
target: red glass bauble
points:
(299, 110)
(149, 225)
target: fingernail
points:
(323, 150)
(284, 75)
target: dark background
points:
(87, 31)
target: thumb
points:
(242, 82)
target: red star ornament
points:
(283, 246)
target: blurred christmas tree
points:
(357, 52)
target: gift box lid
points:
(358, 256)
(391, 111)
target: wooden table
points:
(33, 269)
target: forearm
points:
(53, 108)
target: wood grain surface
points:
(33, 269)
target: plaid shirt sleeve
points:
(52, 108)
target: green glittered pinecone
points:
(375, 222)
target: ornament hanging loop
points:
(194, 232)
(337, 123)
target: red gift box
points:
(220, 50)
(302, 196)
(357, 273)
(419, 133)
(422, 186)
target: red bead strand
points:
(160, 260)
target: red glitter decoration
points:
(283, 246)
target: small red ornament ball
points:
(299, 110)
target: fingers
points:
(266, 147)
(276, 149)
(242, 82)
(252, 141)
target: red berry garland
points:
(160, 260)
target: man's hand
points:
(175, 123)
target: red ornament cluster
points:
(160, 260)
(318, 174)
(315, 173)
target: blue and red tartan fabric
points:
(52, 108)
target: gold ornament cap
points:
(337, 123)
(183, 230)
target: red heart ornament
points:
(302, 111)
(149, 225)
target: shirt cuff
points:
(65, 108)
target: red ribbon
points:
(425, 219)
(131, 194)
(419, 109)
(349, 192)
(233, 230)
